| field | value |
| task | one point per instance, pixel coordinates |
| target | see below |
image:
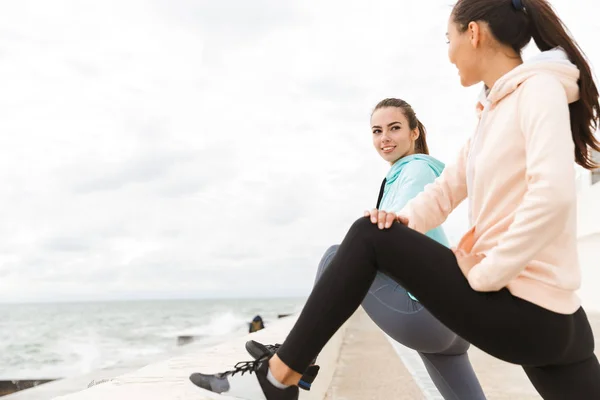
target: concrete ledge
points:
(368, 366)
(12, 386)
(169, 379)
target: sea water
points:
(60, 340)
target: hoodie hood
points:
(436, 165)
(554, 62)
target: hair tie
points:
(518, 5)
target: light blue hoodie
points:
(406, 179)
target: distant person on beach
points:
(509, 287)
(400, 139)
(256, 324)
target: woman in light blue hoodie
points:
(399, 137)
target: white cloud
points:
(196, 148)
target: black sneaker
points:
(258, 350)
(248, 380)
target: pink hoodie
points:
(518, 174)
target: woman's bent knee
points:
(326, 260)
(331, 250)
(362, 224)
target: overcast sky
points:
(196, 148)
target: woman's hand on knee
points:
(384, 220)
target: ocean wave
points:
(62, 341)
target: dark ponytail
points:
(421, 142)
(413, 122)
(538, 21)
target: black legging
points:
(555, 350)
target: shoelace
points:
(243, 367)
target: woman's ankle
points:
(282, 373)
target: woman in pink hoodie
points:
(510, 285)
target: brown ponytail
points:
(537, 20)
(413, 122)
(421, 142)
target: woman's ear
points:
(474, 32)
(415, 134)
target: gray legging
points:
(409, 323)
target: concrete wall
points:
(596, 173)
(10, 387)
(169, 379)
(588, 237)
